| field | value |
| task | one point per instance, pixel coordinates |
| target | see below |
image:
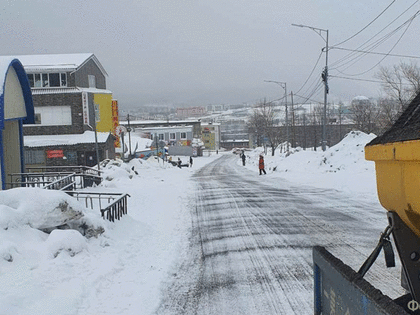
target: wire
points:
(366, 42)
(366, 25)
(356, 79)
(392, 48)
(313, 69)
(376, 53)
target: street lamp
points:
(324, 78)
(283, 85)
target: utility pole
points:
(284, 86)
(293, 122)
(324, 79)
(129, 134)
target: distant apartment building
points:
(190, 112)
(70, 98)
(183, 137)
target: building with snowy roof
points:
(70, 97)
(16, 109)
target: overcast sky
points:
(215, 52)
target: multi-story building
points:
(210, 133)
(70, 98)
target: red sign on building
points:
(55, 154)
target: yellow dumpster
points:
(397, 161)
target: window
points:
(97, 113)
(172, 136)
(44, 79)
(38, 119)
(54, 79)
(92, 81)
(183, 135)
(63, 79)
(31, 80)
(38, 80)
(161, 136)
(34, 157)
(53, 115)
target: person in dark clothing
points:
(191, 161)
(179, 162)
(261, 165)
(243, 158)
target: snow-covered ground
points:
(121, 270)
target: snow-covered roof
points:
(69, 90)
(72, 139)
(153, 122)
(360, 98)
(57, 62)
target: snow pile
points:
(44, 210)
(341, 167)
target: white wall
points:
(14, 103)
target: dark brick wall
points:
(90, 68)
(74, 100)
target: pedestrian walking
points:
(179, 162)
(261, 165)
(243, 158)
(191, 161)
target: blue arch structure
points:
(5, 65)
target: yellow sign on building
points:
(104, 104)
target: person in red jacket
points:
(261, 165)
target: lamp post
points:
(283, 85)
(324, 78)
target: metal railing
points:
(116, 203)
(67, 169)
(65, 183)
(70, 178)
(42, 179)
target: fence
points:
(72, 178)
(116, 203)
(42, 179)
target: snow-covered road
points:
(251, 246)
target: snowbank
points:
(342, 167)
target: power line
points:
(376, 53)
(313, 69)
(365, 80)
(366, 25)
(356, 79)
(378, 42)
(392, 48)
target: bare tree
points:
(364, 114)
(400, 82)
(389, 111)
(261, 123)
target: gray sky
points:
(213, 52)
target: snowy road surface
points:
(251, 244)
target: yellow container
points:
(398, 178)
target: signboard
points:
(55, 154)
(85, 106)
(115, 123)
